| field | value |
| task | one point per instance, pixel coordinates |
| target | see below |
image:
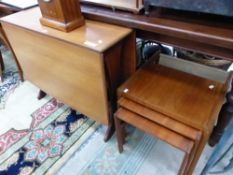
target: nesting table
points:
(206, 34)
(175, 106)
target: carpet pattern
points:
(11, 81)
(140, 156)
(10, 76)
(52, 136)
(108, 161)
(53, 132)
(52, 140)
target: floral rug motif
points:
(108, 160)
(136, 159)
(54, 135)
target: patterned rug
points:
(11, 77)
(36, 142)
(11, 81)
(45, 137)
(54, 134)
(142, 155)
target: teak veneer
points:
(210, 35)
(172, 104)
(182, 96)
(81, 68)
(184, 143)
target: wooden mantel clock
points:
(64, 15)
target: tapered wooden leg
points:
(123, 132)
(1, 62)
(41, 95)
(196, 156)
(185, 167)
(225, 116)
(1, 67)
(184, 164)
(110, 131)
(119, 134)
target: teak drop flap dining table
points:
(81, 68)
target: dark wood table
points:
(211, 35)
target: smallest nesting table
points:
(177, 107)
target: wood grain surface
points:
(155, 130)
(209, 35)
(182, 96)
(81, 68)
(73, 75)
(160, 119)
(93, 35)
(176, 100)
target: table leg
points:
(1, 66)
(184, 164)
(225, 116)
(196, 154)
(41, 95)
(119, 134)
(73, 112)
(110, 130)
(185, 168)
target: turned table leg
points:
(225, 116)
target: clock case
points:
(64, 15)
